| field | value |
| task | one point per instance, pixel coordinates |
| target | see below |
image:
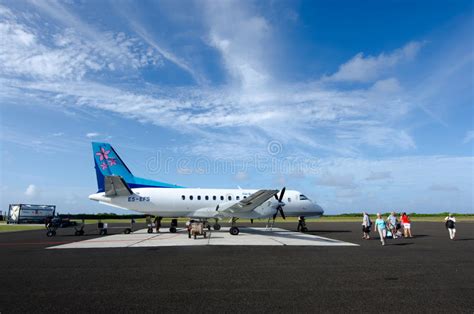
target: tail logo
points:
(106, 160)
(103, 154)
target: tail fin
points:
(108, 163)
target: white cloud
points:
(469, 137)
(92, 134)
(444, 188)
(70, 53)
(345, 181)
(246, 109)
(241, 176)
(165, 53)
(368, 68)
(382, 175)
(410, 178)
(242, 38)
(32, 191)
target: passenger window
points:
(183, 197)
(237, 197)
(229, 198)
(199, 197)
(245, 196)
(222, 198)
(191, 197)
(214, 197)
(289, 199)
(207, 198)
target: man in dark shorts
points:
(366, 224)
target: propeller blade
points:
(282, 213)
(282, 193)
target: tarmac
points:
(427, 273)
(247, 236)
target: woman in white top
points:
(451, 226)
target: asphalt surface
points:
(428, 273)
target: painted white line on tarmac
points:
(248, 236)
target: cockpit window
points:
(303, 198)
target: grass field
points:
(11, 228)
(325, 219)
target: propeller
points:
(279, 208)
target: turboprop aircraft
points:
(118, 187)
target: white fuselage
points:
(206, 203)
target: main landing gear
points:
(216, 226)
(233, 229)
(174, 225)
(301, 225)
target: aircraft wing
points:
(250, 203)
(116, 186)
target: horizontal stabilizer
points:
(116, 186)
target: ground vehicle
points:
(30, 213)
(197, 229)
(64, 222)
(103, 228)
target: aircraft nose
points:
(318, 209)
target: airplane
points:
(118, 187)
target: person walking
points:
(392, 224)
(149, 224)
(366, 224)
(406, 225)
(157, 222)
(381, 227)
(451, 226)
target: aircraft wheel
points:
(49, 234)
(234, 231)
(150, 230)
(173, 229)
(304, 229)
(217, 227)
(127, 231)
(77, 233)
(81, 232)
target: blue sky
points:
(360, 105)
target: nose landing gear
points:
(301, 225)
